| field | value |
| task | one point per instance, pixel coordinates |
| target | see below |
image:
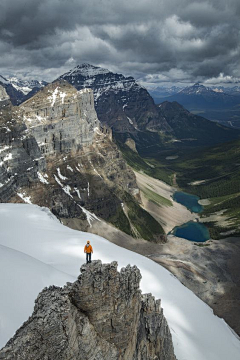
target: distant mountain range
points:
(201, 96)
(20, 90)
(219, 104)
(160, 93)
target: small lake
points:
(193, 231)
(188, 200)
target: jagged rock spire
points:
(103, 315)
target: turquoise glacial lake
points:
(188, 200)
(193, 231)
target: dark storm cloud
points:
(155, 40)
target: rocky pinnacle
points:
(101, 316)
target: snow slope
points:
(37, 250)
(21, 278)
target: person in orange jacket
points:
(88, 250)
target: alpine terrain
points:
(101, 171)
(20, 90)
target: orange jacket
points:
(88, 249)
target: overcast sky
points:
(157, 41)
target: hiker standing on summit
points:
(88, 250)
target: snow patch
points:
(90, 216)
(62, 96)
(58, 181)
(86, 70)
(69, 168)
(53, 97)
(24, 197)
(7, 157)
(78, 192)
(60, 175)
(67, 190)
(41, 178)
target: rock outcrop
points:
(102, 316)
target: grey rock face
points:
(61, 118)
(102, 316)
(20, 156)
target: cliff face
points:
(61, 118)
(20, 156)
(102, 316)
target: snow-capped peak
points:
(87, 70)
(25, 86)
(196, 89)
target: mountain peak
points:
(196, 89)
(86, 70)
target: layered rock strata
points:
(20, 156)
(61, 118)
(102, 316)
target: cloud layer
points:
(154, 40)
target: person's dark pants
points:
(88, 257)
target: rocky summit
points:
(101, 316)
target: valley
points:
(210, 269)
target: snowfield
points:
(36, 251)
